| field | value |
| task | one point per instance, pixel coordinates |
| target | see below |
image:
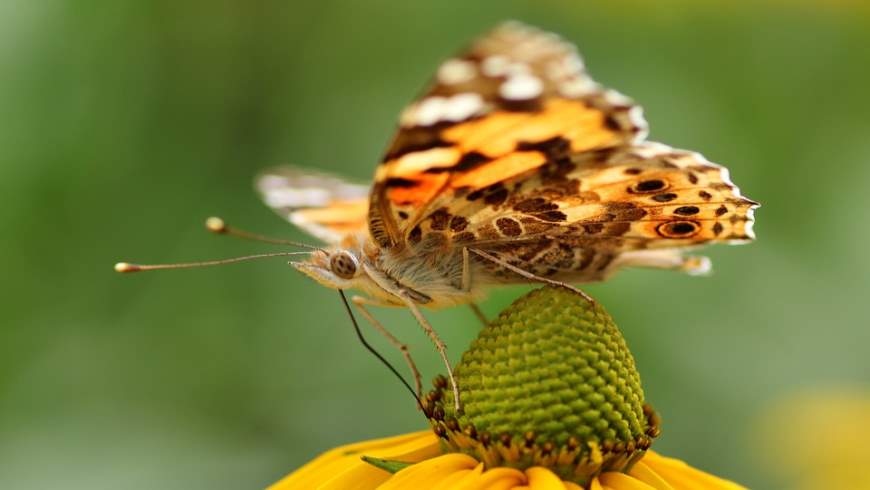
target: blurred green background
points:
(125, 124)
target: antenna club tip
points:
(215, 225)
(125, 267)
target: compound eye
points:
(343, 265)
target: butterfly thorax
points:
(437, 274)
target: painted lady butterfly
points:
(514, 166)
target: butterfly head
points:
(337, 268)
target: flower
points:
(817, 438)
(344, 468)
(551, 399)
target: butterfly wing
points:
(579, 212)
(325, 206)
(484, 119)
(516, 151)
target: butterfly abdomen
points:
(548, 258)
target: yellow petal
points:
(459, 479)
(572, 486)
(643, 473)
(321, 474)
(543, 479)
(682, 476)
(344, 464)
(359, 478)
(429, 472)
(495, 479)
(596, 485)
(622, 481)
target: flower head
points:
(552, 400)
(549, 383)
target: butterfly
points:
(514, 166)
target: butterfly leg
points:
(529, 275)
(360, 303)
(439, 344)
(479, 314)
(672, 259)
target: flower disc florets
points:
(550, 383)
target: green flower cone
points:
(551, 383)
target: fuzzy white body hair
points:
(437, 275)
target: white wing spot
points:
(578, 87)
(429, 111)
(651, 149)
(291, 198)
(432, 110)
(750, 223)
(725, 175)
(616, 98)
(495, 66)
(463, 106)
(455, 71)
(521, 87)
(635, 117)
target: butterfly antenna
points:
(127, 267)
(377, 354)
(219, 226)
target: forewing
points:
(325, 206)
(483, 120)
(580, 211)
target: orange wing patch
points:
(498, 170)
(415, 192)
(478, 135)
(500, 132)
(413, 164)
(337, 218)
